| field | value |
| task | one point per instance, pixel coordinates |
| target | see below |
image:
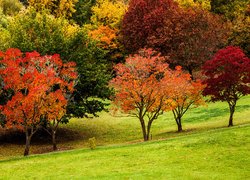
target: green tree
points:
(93, 69)
(31, 30)
(83, 11)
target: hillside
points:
(215, 154)
(122, 129)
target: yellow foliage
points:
(58, 8)
(108, 13)
(205, 4)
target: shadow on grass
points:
(199, 115)
(14, 136)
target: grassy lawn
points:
(215, 154)
(122, 129)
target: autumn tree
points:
(59, 8)
(228, 77)
(230, 9)
(139, 89)
(144, 17)
(188, 35)
(39, 85)
(108, 13)
(205, 4)
(40, 31)
(184, 93)
(192, 39)
(105, 27)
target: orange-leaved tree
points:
(139, 87)
(183, 93)
(34, 81)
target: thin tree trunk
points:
(148, 129)
(54, 140)
(179, 126)
(178, 121)
(27, 144)
(144, 132)
(232, 109)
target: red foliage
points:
(39, 85)
(228, 76)
(143, 18)
(188, 36)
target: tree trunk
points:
(148, 129)
(143, 127)
(27, 144)
(179, 125)
(54, 140)
(232, 109)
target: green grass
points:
(122, 129)
(214, 154)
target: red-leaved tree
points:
(143, 18)
(39, 85)
(189, 36)
(227, 77)
(139, 87)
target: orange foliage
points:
(31, 78)
(145, 87)
(39, 85)
(106, 37)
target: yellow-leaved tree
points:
(58, 8)
(205, 4)
(105, 26)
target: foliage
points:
(5, 39)
(205, 4)
(49, 35)
(230, 9)
(191, 39)
(39, 86)
(184, 94)
(105, 27)
(189, 36)
(144, 17)
(139, 87)
(105, 36)
(38, 31)
(108, 13)
(241, 34)
(83, 11)
(10, 7)
(59, 8)
(92, 68)
(228, 77)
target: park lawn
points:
(215, 154)
(119, 129)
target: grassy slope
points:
(215, 154)
(108, 129)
